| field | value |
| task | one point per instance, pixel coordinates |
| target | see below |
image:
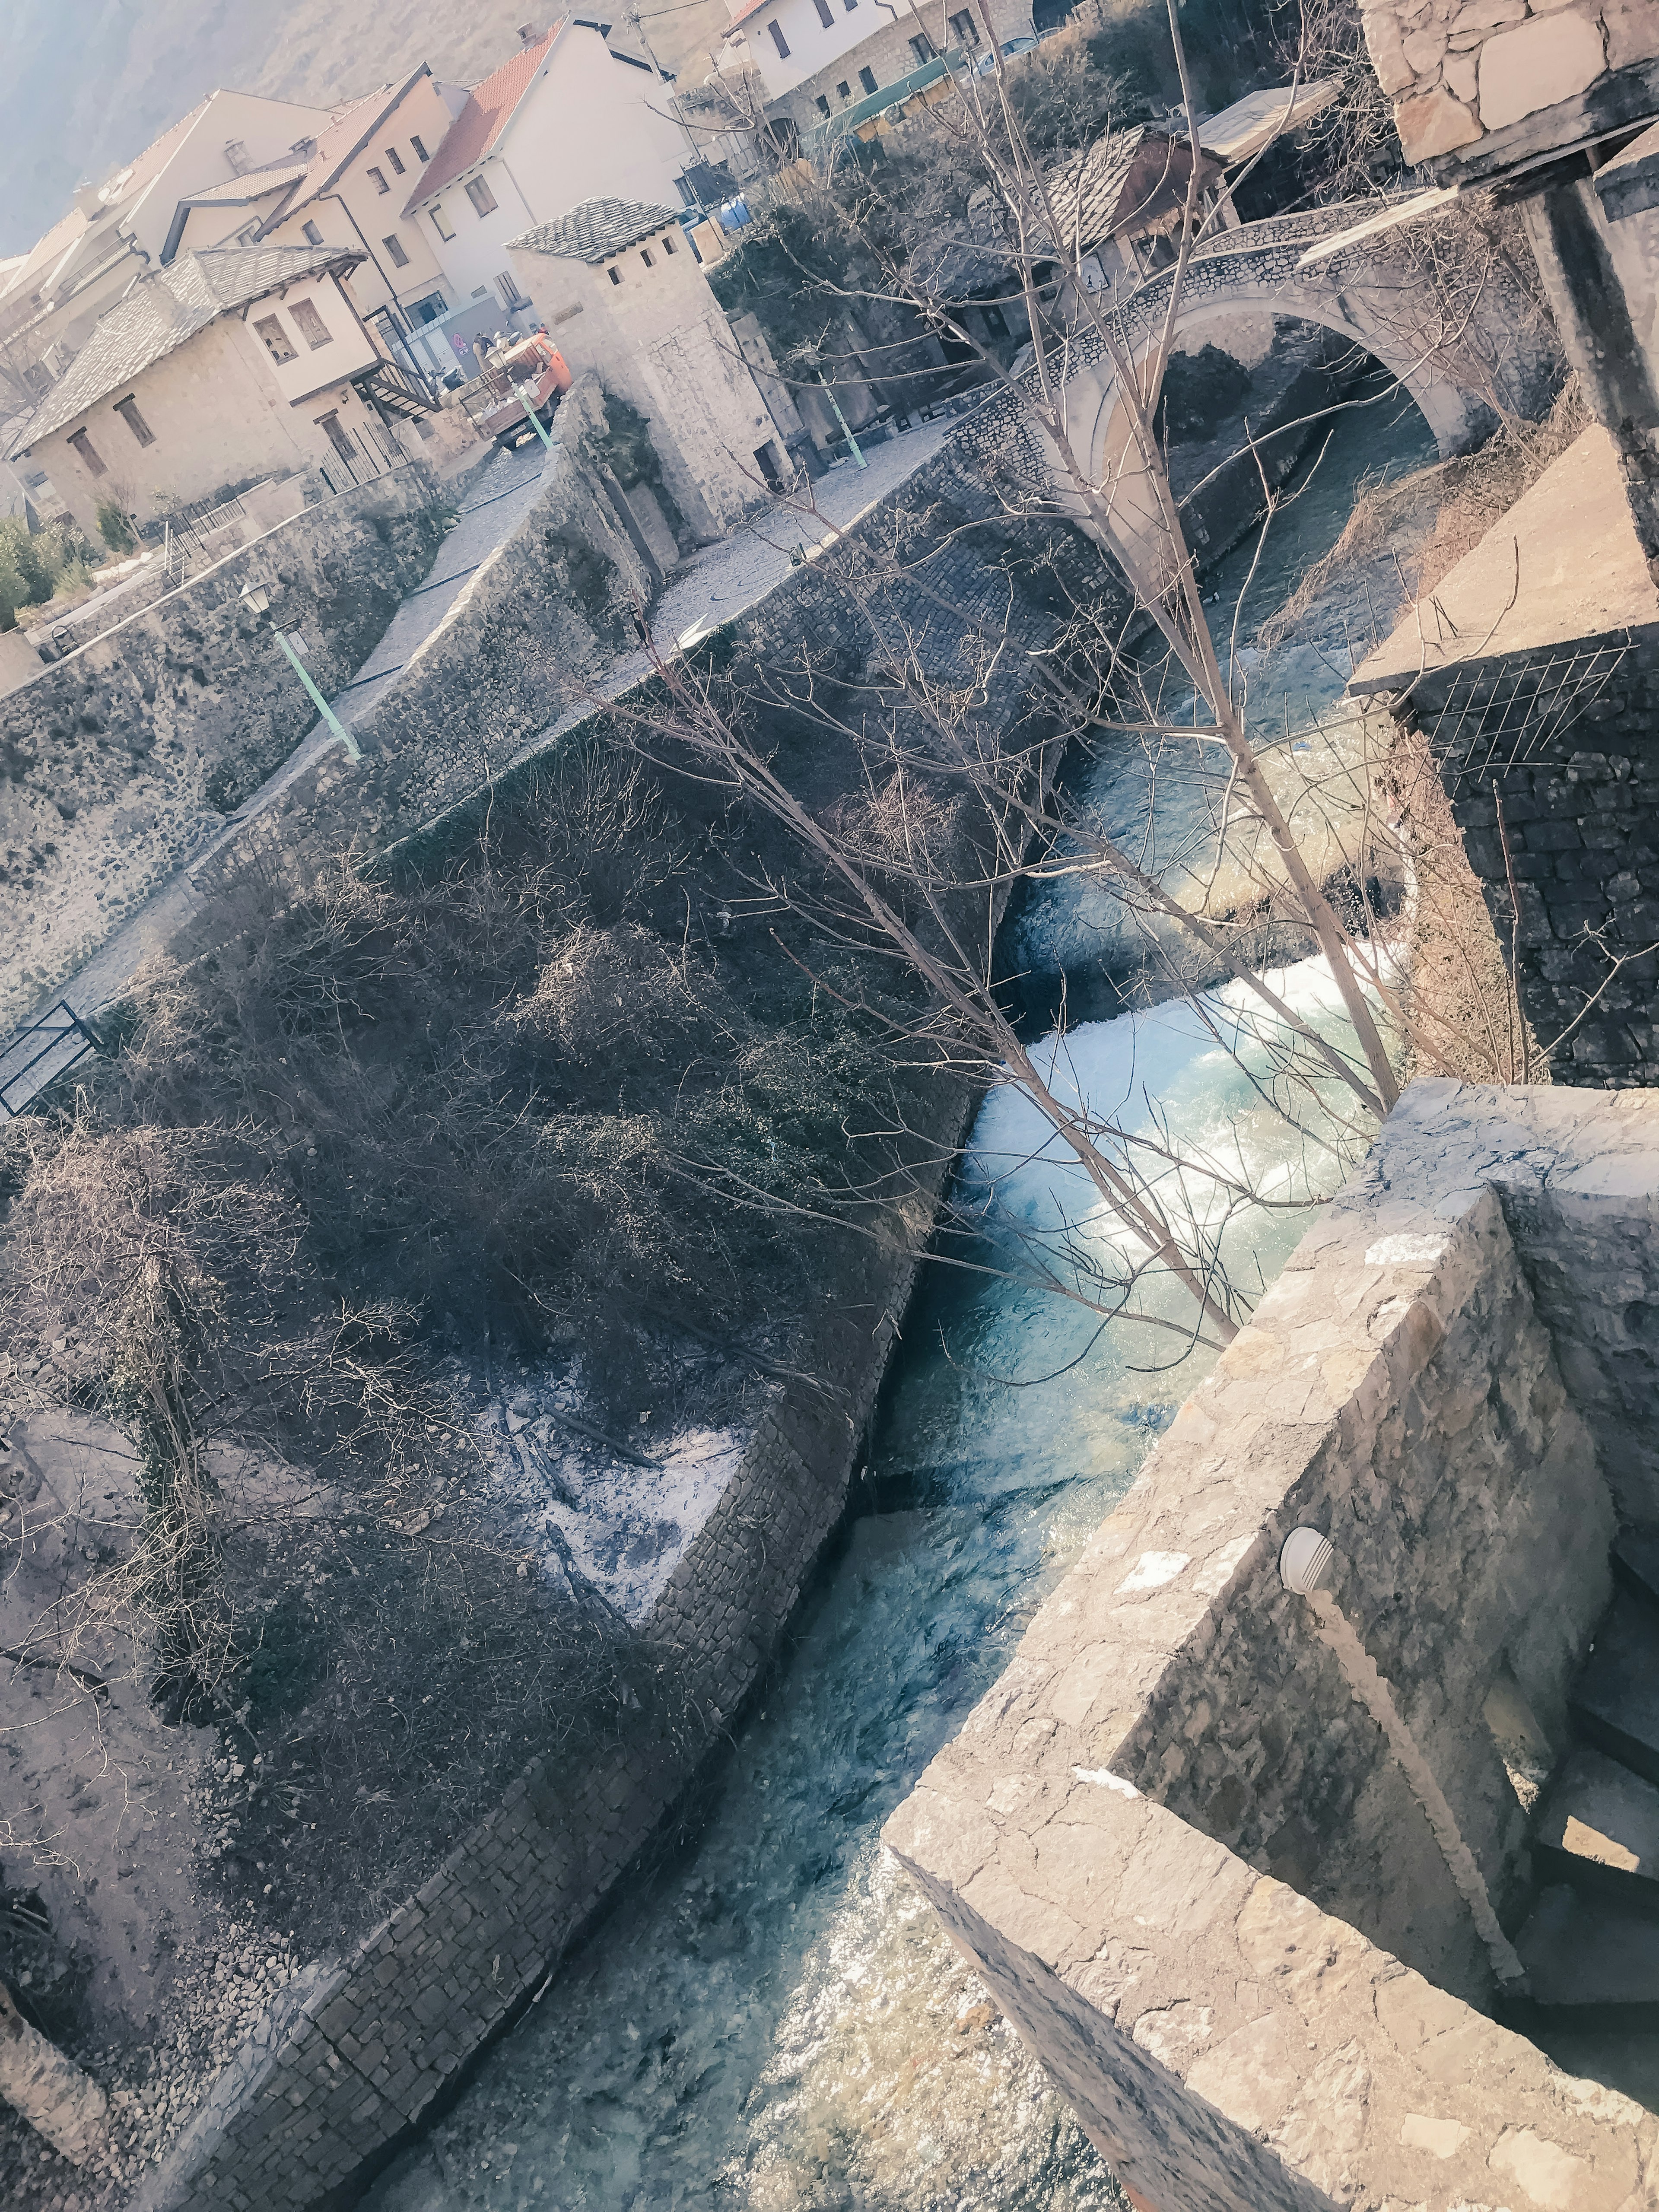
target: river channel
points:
(770, 2021)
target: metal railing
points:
(38, 1054)
(401, 386)
(360, 464)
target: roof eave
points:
(493, 144)
(345, 161)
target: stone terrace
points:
(1177, 1848)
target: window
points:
(480, 196)
(964, 29)
(312, 235)
(780, 42)
(995, 321)
(923, 47)
(421, 153)
(83, 445)
(329, 425)
(276, 339)
(645, 256)
(822, 104)
(849, 5)
(312, 327)
(843, 92)
(507, 292)
(397, 160)
(429, 309)
(377, 177)
(442, 224)
(614, 274)
(826, 14)
(667, 243)
(394, 251)
(867, 79)
(128, 410)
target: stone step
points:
(1635, 1565)
(1580, 1951)
(1599, 1830)
(1615, 1701)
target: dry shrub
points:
(1467, 495)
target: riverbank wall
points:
(119, 759)
(1178, 1849)
(359, 2049)
(1534, 675)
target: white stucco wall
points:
(357, 215)
(266, 129)
(589, 127)
(864, 36)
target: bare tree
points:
(961, 809)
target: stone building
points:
(232, 364)
(52, 297)
(570, 117)
(819, 61)
(621, 293)
(345, 188)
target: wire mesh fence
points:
(1500, 716)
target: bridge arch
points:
(1373, 297)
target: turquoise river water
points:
(770, 2021)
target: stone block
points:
(1433, 122)
(1538, 62)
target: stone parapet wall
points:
(1484, 83)
(1553, 753)
(1238, 2028)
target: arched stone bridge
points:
(1461, 348)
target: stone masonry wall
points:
(1463, 1484)
(1224, 2038)
(115, 761)
(1576, 796)
(1488, 80)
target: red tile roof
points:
(489, 110)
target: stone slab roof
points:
(161, 313)
(1086, 190)
(596, 230)
(251, 185)
(1564, 564)
(1245, 127)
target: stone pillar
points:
(49, 2090)
(1579, 262)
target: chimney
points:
(528, 34)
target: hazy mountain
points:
(85, 84)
